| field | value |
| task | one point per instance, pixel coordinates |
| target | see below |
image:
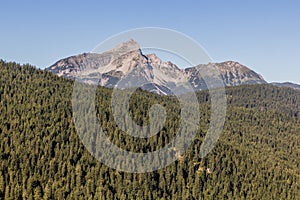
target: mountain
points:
(43, 157)
(287, 84)
(127, 60)
(232, 73)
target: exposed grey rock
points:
(126, 62)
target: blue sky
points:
(264, 35)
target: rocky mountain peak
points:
(125, 47)
(153, 58)
(234, 73)
(232, 64)
(108, 68)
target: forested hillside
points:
(42, 157)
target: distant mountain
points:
(232, 74)
(287, 84)
(127, 59)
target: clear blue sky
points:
(264, 35)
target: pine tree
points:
(38, 193)
(48, 192)
(2, 185)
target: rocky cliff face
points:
(155, 75)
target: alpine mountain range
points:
(161, 77)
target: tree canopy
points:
(42, 156)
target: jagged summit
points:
(153, 58)
(108, 68)
(230, 65)
(234, 73)
(125, 47)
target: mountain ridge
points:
(287, 84)
(108, 68)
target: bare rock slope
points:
(127, 59)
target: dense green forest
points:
(42, 157)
